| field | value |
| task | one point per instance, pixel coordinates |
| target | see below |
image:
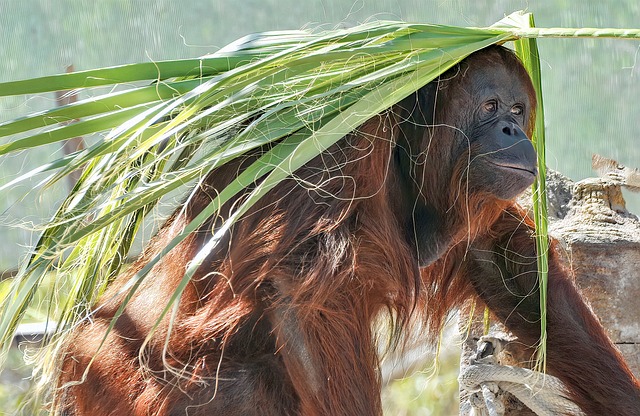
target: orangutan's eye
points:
(490, 107)
(517, 110)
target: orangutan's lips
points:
(522, 170)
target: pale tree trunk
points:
(600, 241)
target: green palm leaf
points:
(175, 121)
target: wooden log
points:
(600, 242)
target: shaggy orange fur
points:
(403, 216)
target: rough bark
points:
(601, 243)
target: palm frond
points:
(527, 49)
(193, 116)
(167, 124)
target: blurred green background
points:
(591, 92)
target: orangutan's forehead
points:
(497, 81)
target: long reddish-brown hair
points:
(280, 317)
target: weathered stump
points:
(600, 242)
